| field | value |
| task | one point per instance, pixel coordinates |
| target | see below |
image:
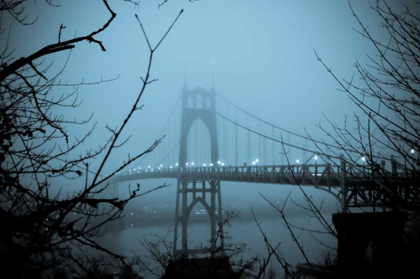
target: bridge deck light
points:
(176, 164)
(297, 161)
(363, 159)
(171, 167)
(186, 164)
(211, 164)
(223, 164)
(161, 165)
(253, 162)
(149, 167)
(256, 160)
(316, 157)
(204, 165)
(218, 162)
(192, 163)
(412, 151)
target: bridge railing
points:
(297, 173)
(351, 185)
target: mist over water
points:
(239, 198)
(127, 241)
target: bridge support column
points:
(185, 205)
(355, 231)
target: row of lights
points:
(255, 162)
(205, 165)
(187, 164)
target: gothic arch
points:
(195, 202)
(198, 148)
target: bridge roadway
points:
(351, 187)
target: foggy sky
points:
(263, 53)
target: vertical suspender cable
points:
(224, 140)
(282, 150)
(259, 140)
(265, 151)
(227, 136)
(248, 141)
(273, 157)
(219, 131)
(288, 147)
(196, 143)
(236, 139)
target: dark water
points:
(127, 241)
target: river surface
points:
(127, 241)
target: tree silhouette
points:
(381, 151)
(44, 235)
(385, 143)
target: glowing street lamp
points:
(218, 162)
(363, 162)
(211, 164)
(176, 164)
(297, 161)
(412, 151)
(192, 163)
(204, 165)
(223, 164)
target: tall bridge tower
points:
(198, 104)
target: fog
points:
(259, 55)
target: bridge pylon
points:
(198, 104)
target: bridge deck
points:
(361, 188)
(305, 175)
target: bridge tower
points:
(197, 104)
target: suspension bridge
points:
(209, 140)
